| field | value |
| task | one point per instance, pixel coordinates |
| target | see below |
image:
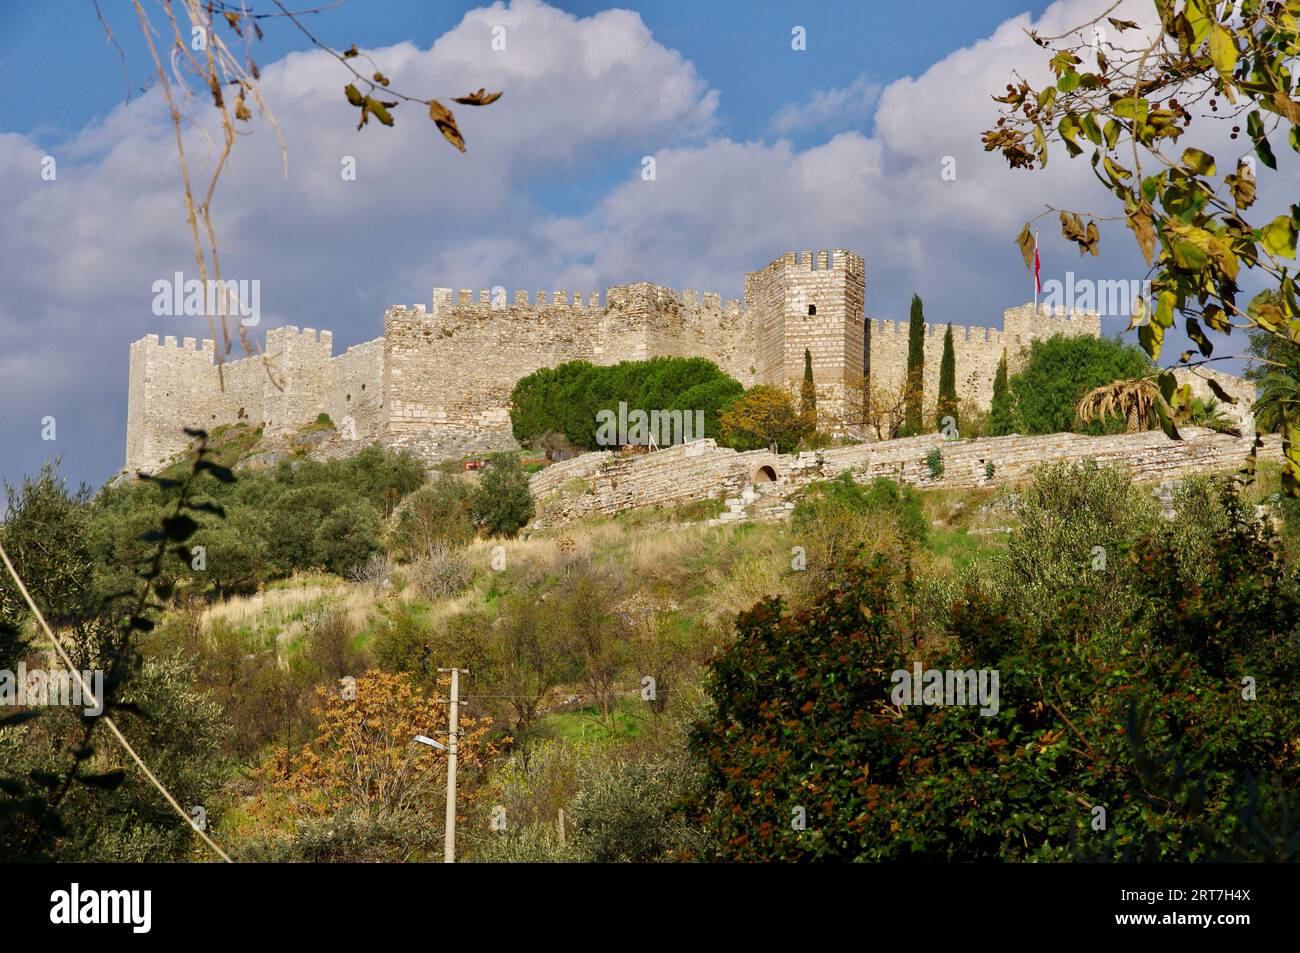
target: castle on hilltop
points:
(438, 382)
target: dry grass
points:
(713, 572)
(290, 612)
(760, 567)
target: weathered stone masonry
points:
(601, 484)
(439, 380)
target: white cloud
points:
(838, 108)
(78, 256)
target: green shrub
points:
(1150, 724)
(1077, 524)
(934, 463)
(503, 502)
(1059, 371)
(834, 519)
(815, 440)
(346, 537)
(277, 521)
(439, 513)
(568, 397)
(618, 808)
(902, 504)
(626, 812)
(1001, 416)
(350, 837)
(713, 397)
(763, 416)
(176, 728)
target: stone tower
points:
(810, 301)
(439, 381)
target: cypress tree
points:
(915, 366)
(808, 393)
(947, 405)
(1000, 422)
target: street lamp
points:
(449, 848)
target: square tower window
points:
(812, 310)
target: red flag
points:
(1038, 285)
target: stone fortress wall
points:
(602, 484)
(438, 382)
(176, 385)
(977, 349)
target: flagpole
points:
(1035, 272)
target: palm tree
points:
(1278, 391)
(1135, 399)
(1210, 413)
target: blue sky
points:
(741, 47)
(760, 149)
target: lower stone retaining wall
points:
(1149, 456)
(612, 482)
(607, 483)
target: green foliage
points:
(406, 642)
(1001, 415)
(836, 520)
(346, 536)
(1151, 724)
(531, 654)
(351, 836)
(262, 701)
(44, 533)
(763, 416)
(70, 798)
(947, 404)
(178, 731)
(627, 812)
(1050, 560)
(934, 463)
(1193, 218)
(915, 365)
(439, 513)
(822, 499)
(815, 440)
(808, 393)
(567, 398)
(503, 502)
(1209, 413)
(619, 807)
(713, 397)
(1279, 396)
(293, 517)
(1270, 354)
(1060, 370)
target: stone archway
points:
(765, 474)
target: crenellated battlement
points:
(961, 333)
(484, 302)
(170, 342)
(291, 335)
(1029, 310)
(438, 382)
(835, 259)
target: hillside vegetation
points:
(635, 671)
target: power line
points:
(107, 719)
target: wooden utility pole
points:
(449, 848)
